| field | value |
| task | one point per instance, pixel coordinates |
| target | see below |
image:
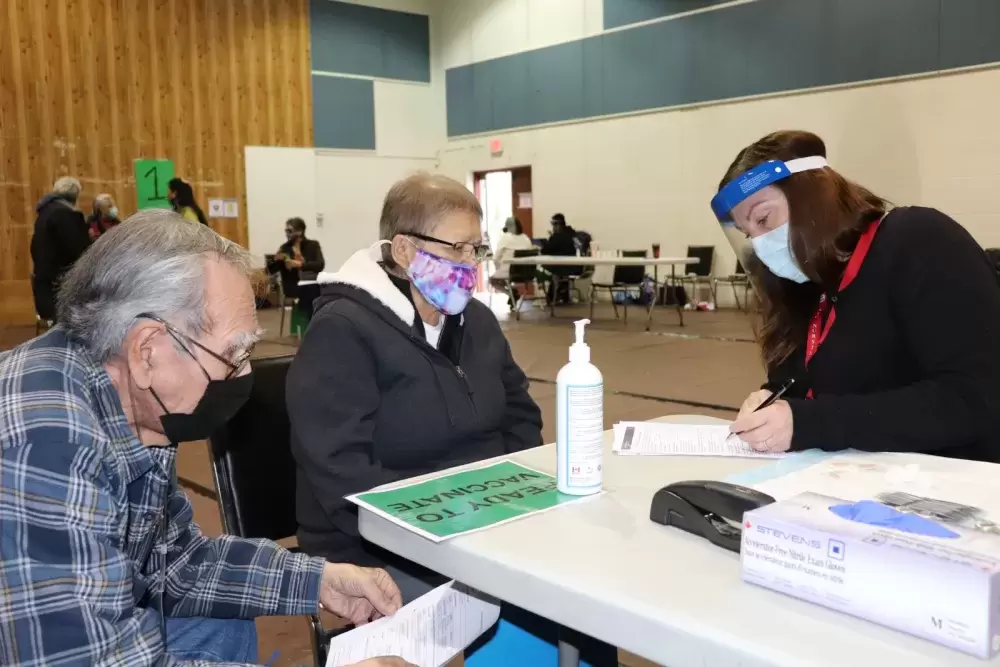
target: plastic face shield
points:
(749, 183)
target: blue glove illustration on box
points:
(882, 516)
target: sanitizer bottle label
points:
(585, 429)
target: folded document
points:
(663, 439)
(428, 632)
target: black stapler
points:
(705, 508)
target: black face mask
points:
(220, 402)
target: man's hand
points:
(753, 402)
(383, 662)
(360, 594)
(769, 430)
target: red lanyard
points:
(817, 330)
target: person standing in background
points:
(181, 196)
(297, 259)
(59, 238)
(104, 217)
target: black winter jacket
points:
(371, 401)
(60, 237)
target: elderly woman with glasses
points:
(402, 372)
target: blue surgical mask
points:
(773, 250)
(113, 212)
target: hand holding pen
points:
(767, 429)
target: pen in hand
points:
(770, 400)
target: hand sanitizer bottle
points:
(580, 429)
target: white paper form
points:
(428, 632)
(658, 439)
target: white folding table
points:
(655, 262)
(601, 567)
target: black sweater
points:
(912, 363)
(371, 402)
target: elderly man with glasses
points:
(402, 372)
(101, 562)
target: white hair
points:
(103, 198)
(68, 187)
(154, 262)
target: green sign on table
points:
(151, 178)
(467, 501)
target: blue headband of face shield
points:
(758, 178)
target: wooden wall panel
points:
(89, 86)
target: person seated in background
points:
(401, 372)
(60, 237)
(181, 197)
(104, 216)
(512, 239)
(886, 320)
(103, 563)
(562, 242)
(297, 259)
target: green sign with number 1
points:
(151, 178)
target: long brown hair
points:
(827, 215)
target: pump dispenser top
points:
(580, 351)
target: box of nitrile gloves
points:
(907, 569)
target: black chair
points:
(700, 273)
(522, 274)
(586, 274)
(625, 279)
(255, 472)
(738, 278)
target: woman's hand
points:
(768, 430)
(754, 401)
(360, 594)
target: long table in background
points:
(655, 262)
(601, 567)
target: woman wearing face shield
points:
(880, 322)
(401, 371)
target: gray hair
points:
(417, 203)
(154, 262)
(103, 198)
(68, 188)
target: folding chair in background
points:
(625, 279)
(701, 273)
(736, 279)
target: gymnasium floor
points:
(706, 367)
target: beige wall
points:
(636, 180)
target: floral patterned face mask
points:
(448, 286)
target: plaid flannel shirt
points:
(83, 507)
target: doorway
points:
(504, 193)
